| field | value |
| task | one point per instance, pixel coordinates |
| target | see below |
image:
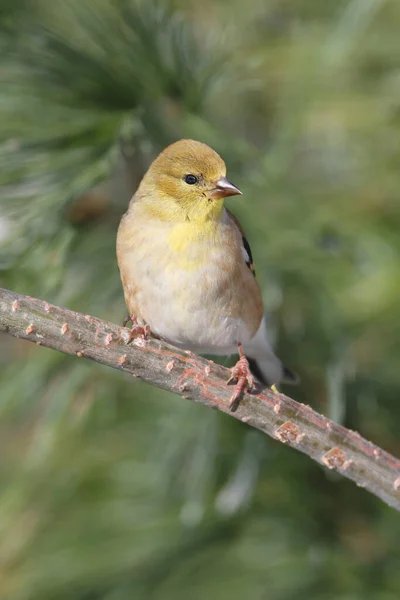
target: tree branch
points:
(197, 379)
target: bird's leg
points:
(126, 320)
(136, 329)
(242, 375)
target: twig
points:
(197, 379)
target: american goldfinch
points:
(186, 265)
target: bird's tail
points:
(264, 365)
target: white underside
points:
(257, 348)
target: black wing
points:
(247, 254)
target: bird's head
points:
(187, 181)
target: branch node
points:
(121, 360)
(287, 433)
(396, 484)
(108, 339)
(64, 329)
(79, 353)
(30, 329)
(170, 366)
(15, 306)
(47, 307)
(207, 370)
(277, 407)
(335, 458)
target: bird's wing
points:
(246, 250)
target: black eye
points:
(191, 179)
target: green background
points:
(111, 489)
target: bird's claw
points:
(244, 379)
(126, 320)
(136, 330)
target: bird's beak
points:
(224, 188)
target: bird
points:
(187, 269)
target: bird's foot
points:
(243, 377)
(136, 330)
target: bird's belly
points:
(195, 309)
(191, 289)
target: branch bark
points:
(200, 380)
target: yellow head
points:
(186, 182)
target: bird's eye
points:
(191, 179)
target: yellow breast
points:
(190, 242)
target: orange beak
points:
(224, 188)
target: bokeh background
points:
(112, 489)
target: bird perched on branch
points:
(186, 265)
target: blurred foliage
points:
(111, 490)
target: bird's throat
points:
(199, 213)
(193, 237)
